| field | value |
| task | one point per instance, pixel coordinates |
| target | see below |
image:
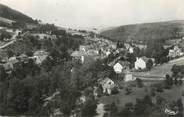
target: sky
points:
(99, 13)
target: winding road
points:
(11, 42)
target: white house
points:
(140, 63)
(175, 52)
(40, 56)
(118, 68)
(131, 50)
(107, 85)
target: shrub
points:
(89, 108)
(107, 107)
(159, 100)
(168, 81)
(180, 82)
(152, 93)
(139, 83)
(175, 81)
(106, 115)
(115, 90)
(128, 91)
(125, 113)
(159, 87)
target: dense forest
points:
(11, 14)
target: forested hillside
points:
(14, 15)
(147, 31)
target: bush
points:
(159, 87)
(159, 100)
(149, 64)
(125, 113)
(120, 87)
(175, 81)
(129, 106)
(180, 82)
(168, 81)
(107, 107)
(128, 91)
(89, 108)
(115, 90)
(152, 93)
(139, 83)
(106, 115)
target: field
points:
(121, 98)
(4, 20)
(161, 70)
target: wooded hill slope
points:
(142, 32)
(11, 14)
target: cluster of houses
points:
(97, 48)
(11, 63)
(42, 36)
(102, 48)
(176, 47)
(175, 52)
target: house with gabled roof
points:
(10, 64)
(107, 85)
(120, 66)
(141, 62)
(40, 56)
(175, 52)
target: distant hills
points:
(143, 32)
(8, 15)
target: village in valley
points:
(47, 70)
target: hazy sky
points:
(87, 13)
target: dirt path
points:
(11, 42)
